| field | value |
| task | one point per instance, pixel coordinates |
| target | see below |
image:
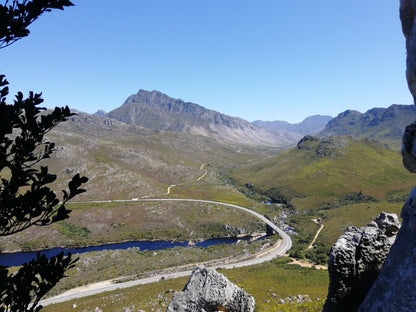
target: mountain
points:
(310, 125)
(126, 161)
(383, 124)
(157, 111)
(100, 112)
(339, 180)
(320, 170)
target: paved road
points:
(284, 246)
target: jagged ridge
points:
(155, 110)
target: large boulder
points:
(394, 289)
(356, 260)
(207, 290)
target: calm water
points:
(18, 258)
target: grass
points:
(339, 219)
(278, 277)
(101, 223)
(336, 221)
(313, 176)
(340, 180)
(124, 162)
(133, 263)
(267, 283)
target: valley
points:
(201, 176)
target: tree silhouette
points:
(16, 16)
(25, 198)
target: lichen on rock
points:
(208, 291)
(355, 261)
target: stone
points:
(355, 261)
(409, 148)
(407, 16)
(394, 289)
(207, 291)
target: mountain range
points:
(382, 124)
(155, 110)
(311, 125)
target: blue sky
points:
(263, 59)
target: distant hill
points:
(157, 111)
(321, 170)
(383, 124)
(310, 125)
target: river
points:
(18, 258)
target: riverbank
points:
(17, 258)
(104, 265)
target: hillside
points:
(339, 181)
(311, 125)
(157, 111)
(127, 161)
(320, 171)
(383, 124)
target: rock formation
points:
(394, 289)
(356, 260)
(407, 17)
(207, 290)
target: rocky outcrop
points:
(356, 260)
(394, 289)
(207, 290)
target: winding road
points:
(282, 247)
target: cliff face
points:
(356, 260)
(394, 289)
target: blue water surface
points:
(18, 258)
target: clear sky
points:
(257, 59)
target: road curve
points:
(284, 246)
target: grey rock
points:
(355, 261)
(207, 290)
(409, 148)
(394, 289)
(407, 16)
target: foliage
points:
(71, 230)
(23, 290)
(25, 200)
(16, 16)
(349, 199)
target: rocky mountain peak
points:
(157, 111)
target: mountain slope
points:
(127, 161)
(320, 171)
(157, 111)
(383, 124)
(311, 125)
